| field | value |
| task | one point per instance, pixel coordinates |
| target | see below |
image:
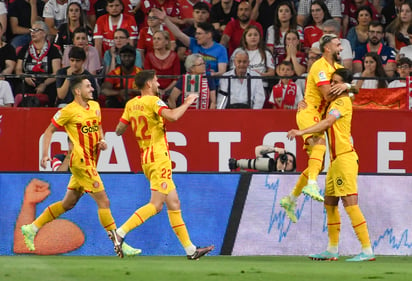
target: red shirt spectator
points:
(104, 30)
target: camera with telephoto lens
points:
(261, 164)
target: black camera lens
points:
(283, 158)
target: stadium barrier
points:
(237, 212)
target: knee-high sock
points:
(301, 183)
(179, 227)
(359, 225)
(315, 162)
(139, 216)
(106, 219)
(52, 212)
(333, 216)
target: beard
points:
(336, 57)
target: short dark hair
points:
(206, 26)
(345, 73)
(142, 77)
(111, 1)
(376, 23)
(127, 49)
(404, 60)
(76, 80)
(79, 29)
(287, 63)
(77, 53)
(202, 6)
(409, 29)
(125, 31)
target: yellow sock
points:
(359, 225)
(315, 162)
(179, 227)
(52, 212)
(333, 216)
(106, 219)
(140, 216)
(301, 183)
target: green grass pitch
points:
(219, 268)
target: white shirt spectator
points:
(239, 90)
(6, 95)
(406, 52)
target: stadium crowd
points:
(44, 42)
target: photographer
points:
(284, 162)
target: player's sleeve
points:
(125, 118)
(158, 106)
(61, 117)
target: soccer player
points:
(82, 121)
(341, 179)
(317, 93)
(146, 114)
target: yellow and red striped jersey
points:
(339, 134)
(83, 127)
(143, 113)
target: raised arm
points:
(172, 27)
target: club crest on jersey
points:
(163, 185)
(57, 115)
(322, 76)
(161, 103)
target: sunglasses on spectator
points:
(34, 30)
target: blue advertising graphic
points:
(206, 203)
(383, 199)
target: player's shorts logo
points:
(163, 185)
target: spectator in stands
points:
(407, 50)
(372, 67)
(187, 8)
(264, 11)
(75, 18)
(54, 14)
(145, 41)
(171, 8)
(214, 54)
(293, 52)
(164, 60)
(351, 13)
(3, 14)
(305, 9)
(286, 94)
(333, 27)
(7, 56)
(111, 58)
(260, 59)
(318, 15)
(285, 21)
(6, 94)
(375, 44)
(241, 92)
(39, 57)
(22, 13)
(391, 11)
(313, 55)
(223, 12)
(234, 29)
(404, 68)
(118, 90)
(201, 13)
(107, 24)
(397, 32)
(195, 65)
(80, 39)
(77, 57)
(358, 35)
